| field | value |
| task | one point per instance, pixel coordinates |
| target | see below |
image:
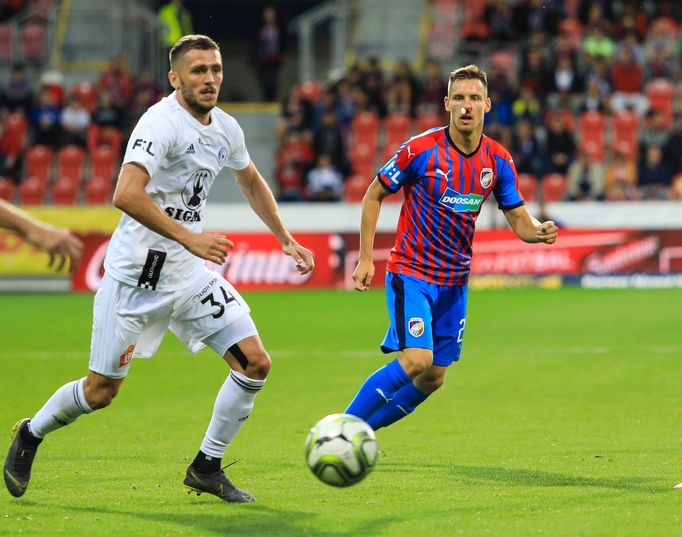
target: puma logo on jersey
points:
(190, 149)
(409, 152)
(444, 174)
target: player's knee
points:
(99, 397)
(415, 361)
(259, 365)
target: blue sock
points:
(403, 403)
(378, 389)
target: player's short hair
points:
(470, 72)
(190, 42)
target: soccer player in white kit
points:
(156, 276)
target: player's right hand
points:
(60, 243)
(363, 274)
(210, 246)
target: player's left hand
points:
(302, 256)
(547, 232)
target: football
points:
(341, 450)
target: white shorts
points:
(130, 321)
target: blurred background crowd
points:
(585, 94)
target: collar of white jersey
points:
(174, 97)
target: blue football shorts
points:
(426, 316)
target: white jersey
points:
(182, 157)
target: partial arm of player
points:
(371, 207)
(528, 228)
(132, 198)
(260, 198)
(59, 242)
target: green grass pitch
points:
(562, 418)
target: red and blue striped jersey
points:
(444, 191)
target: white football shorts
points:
(130, 321)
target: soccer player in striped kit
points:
(446, 174)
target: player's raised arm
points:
(528, 228)
(59, 242)
(132, 198)
(371, 207)
(260, 198)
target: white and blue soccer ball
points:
(341, 450)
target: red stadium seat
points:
(365, 129)
(98, 191)
(103, 162)
(591, 131)
(14, 136)
(362, 159)
(566, 115)
(528, 184)
(32, 191)
(5, 42)
(109, 136)
(65, 191)
(356, 186)
(397, 130)
(553, 187)
(6, 189)
(572, 28)
(625, 133)
(430, 121)
(70, 162)
(660, 95)
(87, 94)
(33, 41)
(39, 162)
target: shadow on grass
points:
(251, 519)
(522, 477)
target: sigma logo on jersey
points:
(461, 203)
(416, 326)
(486, 177)
(193, 195)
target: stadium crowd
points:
(586, 97)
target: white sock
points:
(67, 403)
(232, 406)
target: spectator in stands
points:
(269, 54)
(500, 20)
(655, 175)
(654, 133)
(345, 106)
(597, 44)
(374, 86)
(329, 140)
(586, 176)
(289, 178)
(627, 78)
(45, 120)
(324, 182)
(401, 90)
(631, 41)
(594, 100)
(534, 73)
(564, 81)
(526, 149)
(560, 146)
(621, 175)
(672, 151)
(75, 120)
(297, 113)
(660, 48)
(176, 21)
(106, 113)
(433, 87)
(117, 82)
(300, 149)
(17, 95)
(527, 106)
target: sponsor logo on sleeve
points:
(143, 145)
(461, 203)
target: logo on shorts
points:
(416, 326)
(486, 177)
(127, 356)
